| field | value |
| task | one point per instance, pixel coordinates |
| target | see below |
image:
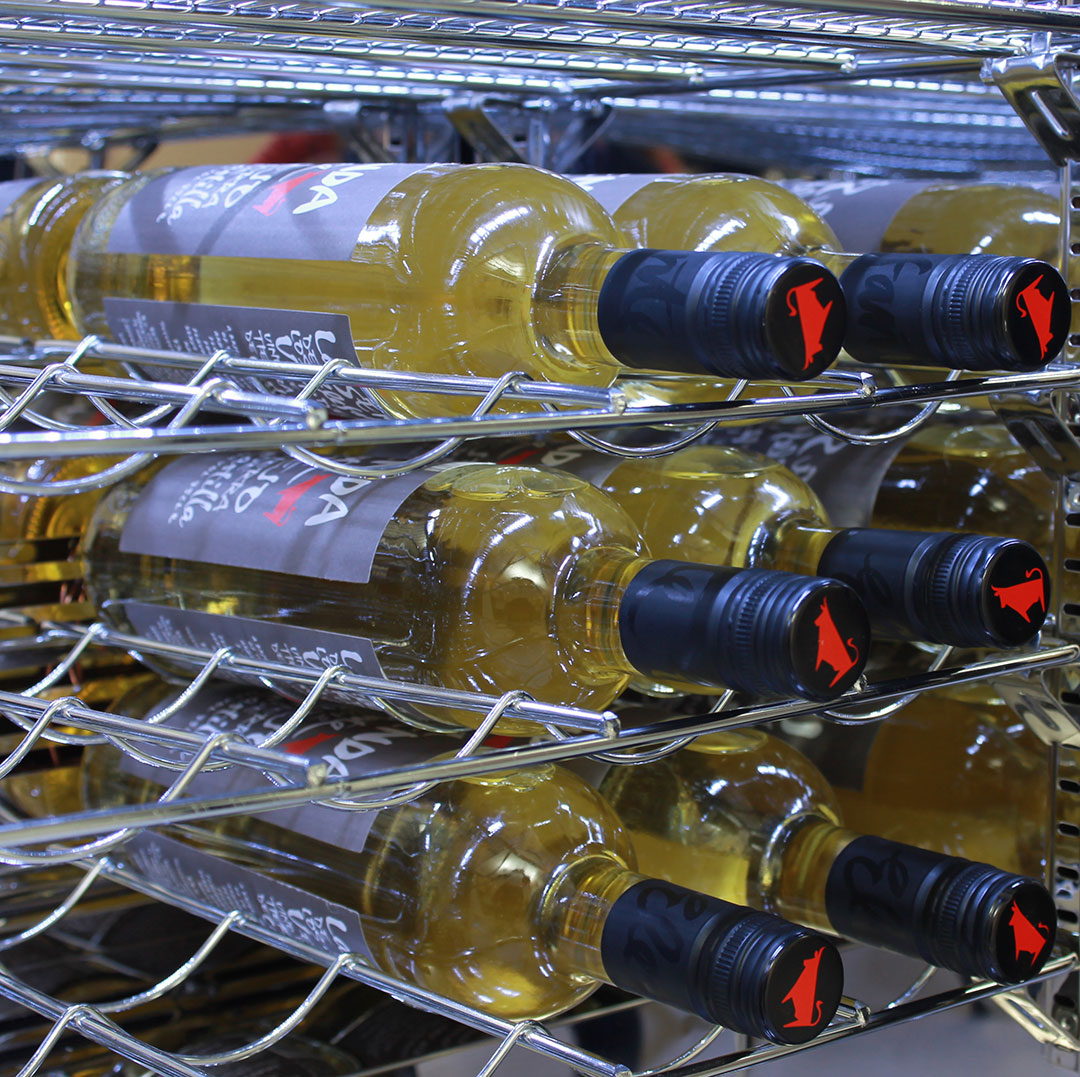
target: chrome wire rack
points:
(95, 842)
(933, 88)
(92, 72)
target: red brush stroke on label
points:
(276, 195)
(286, 503)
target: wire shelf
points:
(296, 779)
(824, 78)
(203, 384)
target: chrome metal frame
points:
(961, 87)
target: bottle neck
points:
(800, 542)
(588, 604)
(800, 868)
(566, 303)
(575, 909)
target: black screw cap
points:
(943, 587)
(767, 633)
(722, 315)
(962, 311)
(746, 970)
(992, 924)
(972, 918)
(782, 979)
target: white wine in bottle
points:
(446, 269)
(514, 892)
(962, 471)
(963, 311)
(476, 577)
(40, 573)
(720, 505)
(955, 771)
(38, 219)
(1020, 220)
(745, 817)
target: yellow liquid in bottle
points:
(491, 890)
(978, 218)
(959, 773)
(474, 270)
(487, 579)
(35, 240)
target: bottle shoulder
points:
(723, 213)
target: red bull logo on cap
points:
(840, 657)
(1020, 597)
(1039, 308)
(804, 304)
(803, 994)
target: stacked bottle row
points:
(710, 879)
(480, 270)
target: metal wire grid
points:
(208, 383)
(294, 779)
(128, 70)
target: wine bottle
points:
(38, 219)
(40, 574)
(746, 818)
(720, 505)
(969, 312)
(961, 471)
(955, 771)
(447, 269)
(476, 577)
(1020, 220)
(515, 892)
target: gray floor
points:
(976, 1040)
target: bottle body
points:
(955, 771)
(749, 818)
(36, 233)
(968, 475)
(513, 892)
(437, 268)
(473, 578)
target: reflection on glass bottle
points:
(38, 220)
(746, 817)
(515, 892)
(445, 269)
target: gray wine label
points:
(311, 212)
(291, 912)
(612, 191)
(266, 511)
(846, 477)
(260, 641)
(281, 336)
(15, 189)
(858, 211)
(348, 744)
